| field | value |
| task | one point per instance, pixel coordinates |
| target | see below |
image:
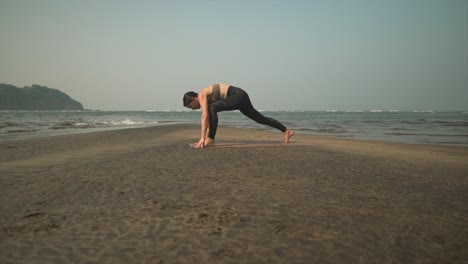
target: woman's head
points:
(189, 101)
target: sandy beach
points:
(143, 196)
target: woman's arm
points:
(205, 116)
(203, 100)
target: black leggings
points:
(238, 99)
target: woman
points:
(222, 97)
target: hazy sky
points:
(289, 55)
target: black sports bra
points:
(215, 95)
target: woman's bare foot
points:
(288, 135)
(209, 142)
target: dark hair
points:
(188, 97)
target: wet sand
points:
(143, 196)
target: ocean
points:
(420, 127)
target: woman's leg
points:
(248, 110)
(239, 100)
(253, 114)
(230, 103)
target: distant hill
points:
(35, 97)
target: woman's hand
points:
(199, 144)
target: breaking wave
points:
(100, 123)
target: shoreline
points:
(376, 139)
(439, 128)
(191, 131)
(142, 193)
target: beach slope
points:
(143, 196)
